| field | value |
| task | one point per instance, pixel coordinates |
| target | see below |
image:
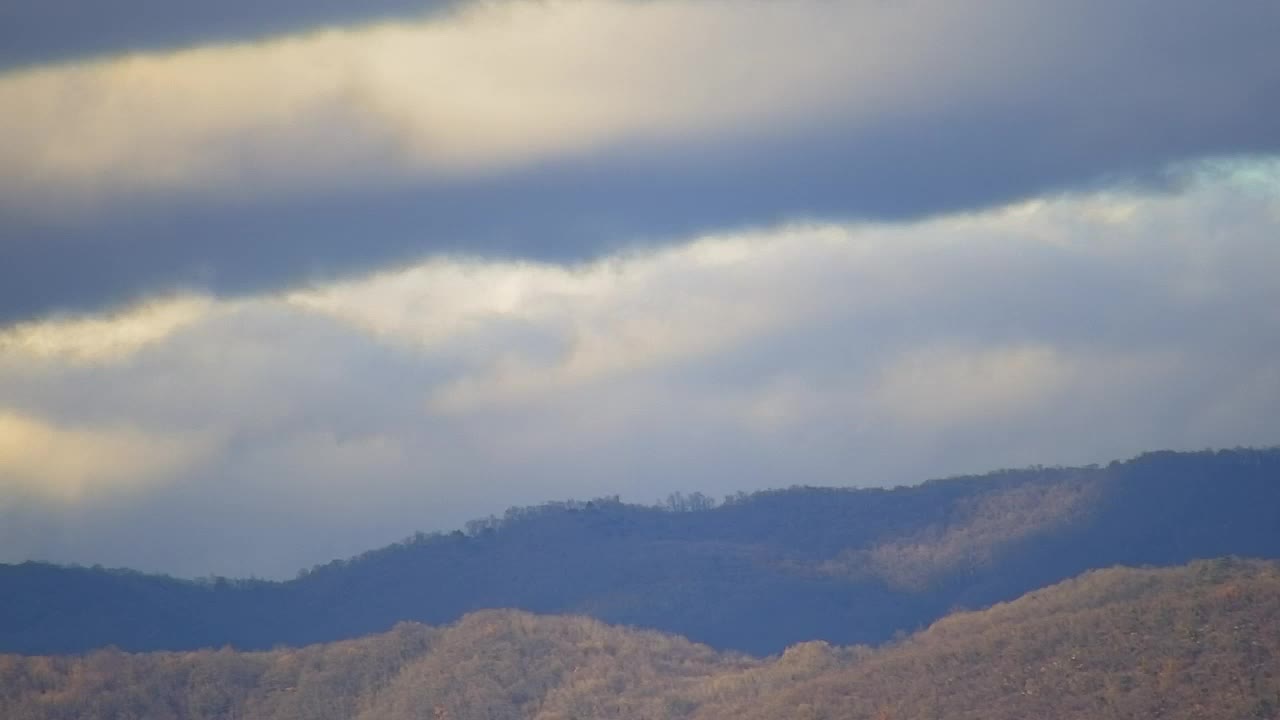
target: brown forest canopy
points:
(1200, 641)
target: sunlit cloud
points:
(492, 86)
(84, 464)
(90, 338)
(573, 324)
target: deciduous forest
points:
(1199, 641)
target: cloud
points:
(58, 30)
(490, 88)
(946, 387)
(101, 339)
(69, 465)
(281, 430)
(569, 130)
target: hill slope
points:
(756, 573)
(1194, 642)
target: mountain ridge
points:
(757, 573)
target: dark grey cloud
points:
(563, 211)
(1094, 94)
(58, 30)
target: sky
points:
(284, 282)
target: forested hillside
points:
(755, 572)
(1200, 641)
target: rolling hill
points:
(755, 573)
(1198, 641)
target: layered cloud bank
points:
(262, 434)
(281, 284)
(568, 130)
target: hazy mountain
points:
(755, 573)
(1199, 641)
